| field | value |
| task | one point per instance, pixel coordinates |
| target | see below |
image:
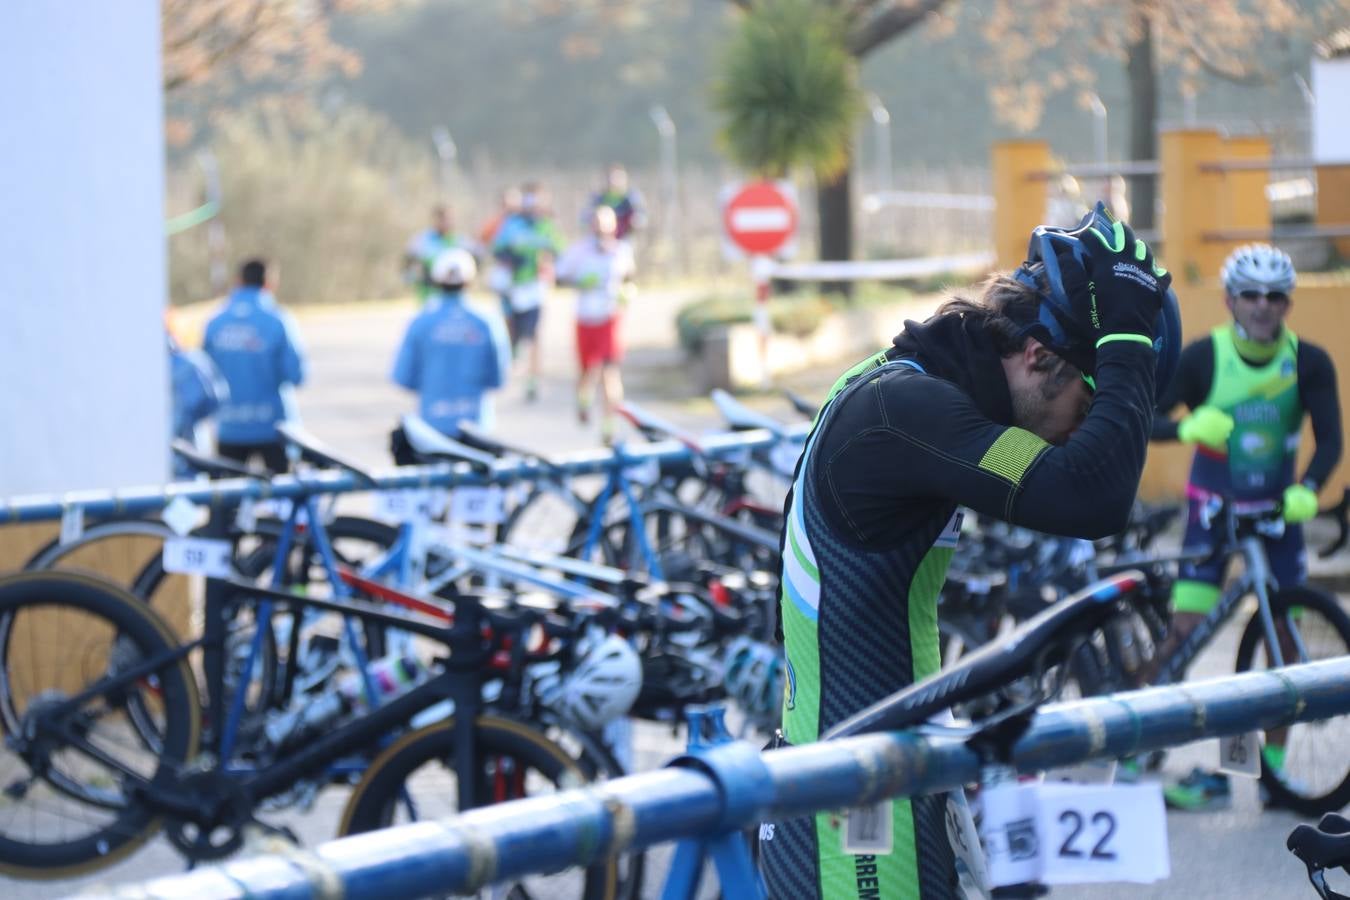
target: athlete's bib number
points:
(198, 556)
(478, 506)
(1239, 754)
(869, 830)
(410, 505)
(1074, 834)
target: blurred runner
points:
(428, 244)
(499, 274)
(600, 267)
(254, 344)
(452, 355)
(630, 211)
(528, 244)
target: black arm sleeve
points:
(1317, 392)
(1190, 385)
(907, 438)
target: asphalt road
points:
(350, 402)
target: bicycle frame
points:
(1258, 579)
(460, 682)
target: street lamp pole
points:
(1099, 140)
(447, 153)
(217, 268)
(881, 119)
(881, 133)
(670, 215)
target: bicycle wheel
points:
(357, 543)
(1315, 778)
(69, 784)
(545, 520)
(122, 551)
(414, 779)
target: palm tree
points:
(789, 96)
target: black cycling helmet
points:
(1057, 267)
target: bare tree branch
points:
(1184, 22)
(885, 24)
(211, 31)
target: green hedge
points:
(798, 313)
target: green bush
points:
(332, 200)
(797, 314)
(694, 319)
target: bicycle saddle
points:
(741, 417)
(314, 450)
(214, 466)
(1041, 640)
(655, 428)
(428, 443)
(470, 435)
(801, 404)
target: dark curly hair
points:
(1006, 306)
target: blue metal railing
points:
(734, 786)
(142, 500)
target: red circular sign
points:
(760, 219)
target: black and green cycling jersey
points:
(908, 438)
(1267, 389)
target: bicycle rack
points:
(744, 784)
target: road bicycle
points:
(84, 786)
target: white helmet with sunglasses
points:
(1258, 268)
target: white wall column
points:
(83, 367)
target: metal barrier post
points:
(744, 783)
(734, 786)
(1333, 201)
(1019, 198)
(1190, 197)
(1243, 193)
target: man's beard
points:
(1030, 406)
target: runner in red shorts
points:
(600, 267)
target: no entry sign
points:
(760, 218)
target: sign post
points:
(761, 219)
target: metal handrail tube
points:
(731, 787)
(1280, 233)
(149, 499)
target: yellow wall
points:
(1021, 200)
(1333, 201)
(1321, 314)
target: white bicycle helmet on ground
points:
(1258, 267)
(602, 687)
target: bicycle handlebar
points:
(1039, 641)
(1340, 512)
(1325, 847)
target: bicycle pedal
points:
(260, 838)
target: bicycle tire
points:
(547, 519)
(1284, 790)
(375, 799)
(137, 633)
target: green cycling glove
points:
(1126, 285)
(1300, 504)
(1208, 425)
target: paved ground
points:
(350, 403)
